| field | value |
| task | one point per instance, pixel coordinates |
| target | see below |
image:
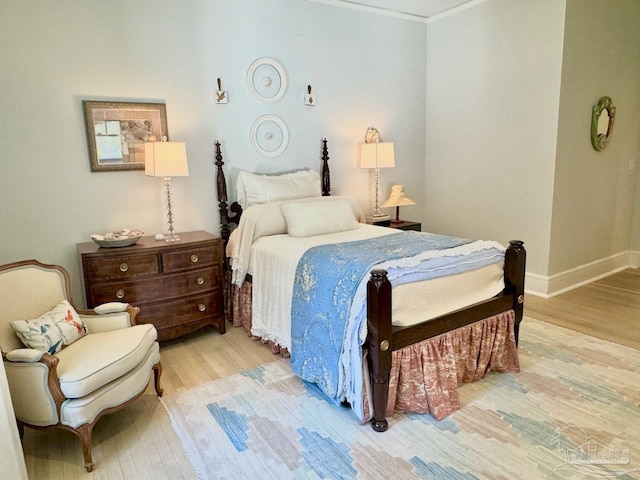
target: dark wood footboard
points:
(383, 338)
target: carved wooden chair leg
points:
(157, 372)
(84, 432)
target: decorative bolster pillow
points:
(319, 217)
(254, 189)
(263, 220)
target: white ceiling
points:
(416, 8)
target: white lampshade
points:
(377, 155)
(397, 198)
(165, 159)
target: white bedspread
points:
(259, 221)
(273, 265)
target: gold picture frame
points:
(117, 131)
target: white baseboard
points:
(548, 287)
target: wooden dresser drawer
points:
(122, 267)
(192, 282)
(175, 318)
(185, 259)
(160, 288)
(129, 292)
(178, 286)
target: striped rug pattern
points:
(571, 413)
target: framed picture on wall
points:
(117, 131)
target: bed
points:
(386, 363)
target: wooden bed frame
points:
(382, 337)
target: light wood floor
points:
(138, 442)
(608, 308)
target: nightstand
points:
(407, 225)
(178, 286)
(382, 223)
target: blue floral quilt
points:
(326, 335)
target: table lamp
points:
(376, 155)
(166, 159)
(397, 199)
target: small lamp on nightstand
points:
(166, 159)
(376, 155)
(397, 199)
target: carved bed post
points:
(514, 271)
(225, 232)
(379, 344)
(326, 178)
(221, 184)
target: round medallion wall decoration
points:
(266, 80)
(269, 135)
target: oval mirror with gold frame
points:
(602, 118)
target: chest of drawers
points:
(178, 286)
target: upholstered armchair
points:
(85, 364)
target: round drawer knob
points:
(194, 258)
(124, 267)
(202, 307)
(200, 281)
(120, 294)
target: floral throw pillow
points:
(59, 326)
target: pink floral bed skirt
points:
(425, 376)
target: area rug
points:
(571, 412)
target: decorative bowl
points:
(121, 238)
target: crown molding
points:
(396, 14)
(376, 10)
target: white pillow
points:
(253, 189)
(319, 217)
(59, 326)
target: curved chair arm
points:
(114, 319)
(35, 386)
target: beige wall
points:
(510, 87)
(594, 191)
(493, 88)
(364, 69)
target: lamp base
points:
(171, 237)
(397, 219)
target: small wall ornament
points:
(222, 96)
(309, 98)
(602, 118)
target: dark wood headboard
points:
(226, 219)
